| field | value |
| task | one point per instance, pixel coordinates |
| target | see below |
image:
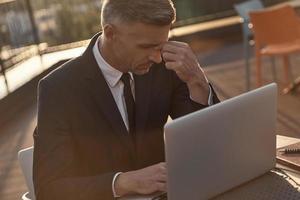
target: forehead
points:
(145, 33)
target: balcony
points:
(218, 47)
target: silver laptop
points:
(218, 148)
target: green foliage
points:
(75, 20)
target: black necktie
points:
(130, 105)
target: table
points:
(264, 187)
(278, 184)
(284, 141)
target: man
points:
(101, 115)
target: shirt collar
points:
(111, 74)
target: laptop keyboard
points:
(274, 185)
(162, 196)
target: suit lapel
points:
(99, 89)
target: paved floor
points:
(14, 136)
(228, 80)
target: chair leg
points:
(296, 83)
(247, 63)
(291, 88)
(258, 69)
(286, 65)
(274, 68)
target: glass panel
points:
(15, 26)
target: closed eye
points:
(148, 46)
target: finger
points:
(161, 178)
(162, 187)
(185, 55)
(174, 61)
(177, 43)
(171, 57)
(178, 67)
(174, 65)
(161, 164)
(186, 61)
(161, 169)
(161, 172)
(167, 57)
(164, 165)
(173, 49)
(177, 47)
(174, 45)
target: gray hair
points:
(155, 12)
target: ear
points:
(109, 31)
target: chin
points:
(142, 70)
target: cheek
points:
(125, 55)
(125, 50)
(134, 59)
(142, 57)
(132, 56)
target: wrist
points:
(196, 87)
(123, 184)
(199, 92)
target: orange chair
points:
(276, 33)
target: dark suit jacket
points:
(81, 140)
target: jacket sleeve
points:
(182, 104)
(54, 169)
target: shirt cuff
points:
(210, 97)
(113, 184)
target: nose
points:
(155, 56)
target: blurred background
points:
(36, 36)
(50, 23)
(64, 21)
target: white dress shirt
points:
(116, 86)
